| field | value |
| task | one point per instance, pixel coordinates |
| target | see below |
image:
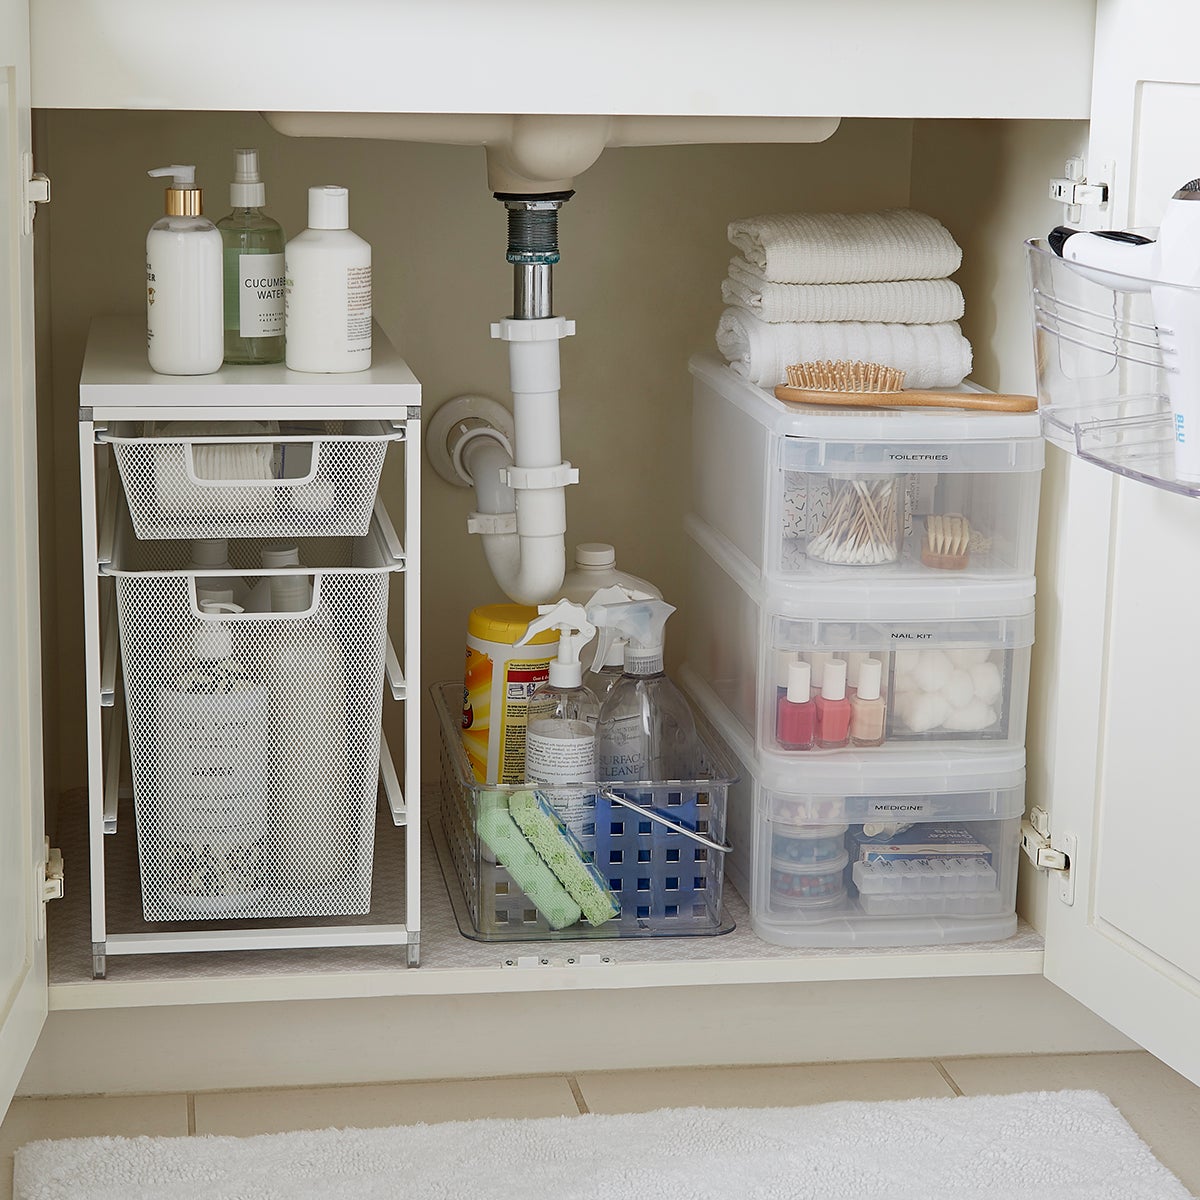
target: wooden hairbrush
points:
(871, 385)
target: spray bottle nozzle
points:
(574, 632)
(641, 622)
(184, 177)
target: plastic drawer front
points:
(954, 661)
(810, 495)
(667, 883)
(251, 480)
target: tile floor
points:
(1162, 1106)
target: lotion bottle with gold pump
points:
(185, 333)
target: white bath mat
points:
(1034, 1146)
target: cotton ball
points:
(959, 689)
(906, 661)
(969, 657)
(971, 716)
(987, 681)
(932, 673)
(926, 712)
(904, 682)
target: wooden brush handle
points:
(984, 401)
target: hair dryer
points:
(1127, 262)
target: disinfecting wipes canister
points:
(500, 677)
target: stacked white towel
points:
(867, 286)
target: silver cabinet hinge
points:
(50, 885)
(1075, 191)
(1046, 856)
(35, 188)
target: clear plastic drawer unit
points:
(811, 672)
(852, 851)
(822, 494)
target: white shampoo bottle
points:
(184, 312)
(328, 272)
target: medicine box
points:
(954, 658)
(811, 494)
(856, 851)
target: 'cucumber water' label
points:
(260, 295)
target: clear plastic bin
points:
(816, 494)
(255, 737)
(1103, 382)
(954, 659)
(251, 479)
(954, 879)
(662, 858)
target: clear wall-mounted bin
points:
(1104, 377)
(953, 662)
(809, 495)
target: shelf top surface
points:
(117, 373)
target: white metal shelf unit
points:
(117, 385)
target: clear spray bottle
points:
(608, 658)
(560, 737)
(646, 730)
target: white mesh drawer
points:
(255, 738)
(251, 479)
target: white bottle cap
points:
(565, 674)
(870, 678)
(280, 556)
(328, 207)
(214, 640)
(799, 683)
(854, 661)
(247, 189)
(210, 552)
(784, 660)
(833, 685)
(819, 659)
(595, 554)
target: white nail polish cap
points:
(833, 684)
(870, 677)
(799, 683)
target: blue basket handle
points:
(616, 798)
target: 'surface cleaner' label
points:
(624, 758)
(260, 295)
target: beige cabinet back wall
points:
(644, 251)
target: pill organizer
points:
(824, 494)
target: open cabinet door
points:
(22, 853)
(1123, 639)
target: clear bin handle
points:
(189, 466)
(616, 798)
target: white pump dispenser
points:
(184, 334)
(560, 738)
(646, 730)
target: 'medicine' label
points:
(260, 295)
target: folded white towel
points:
(847, 247)
(907, 301)
(929, 355)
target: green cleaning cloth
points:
(563, 854)
(502, 837)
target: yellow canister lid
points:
(506, 623)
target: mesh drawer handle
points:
(616, 798)
(290, 615)
(189, 466)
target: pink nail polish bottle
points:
(833, 709)
(796, 714)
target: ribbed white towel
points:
(847, 247)
(929, 355)
(1035, 1146)
(907, 301)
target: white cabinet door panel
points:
(22, 942)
